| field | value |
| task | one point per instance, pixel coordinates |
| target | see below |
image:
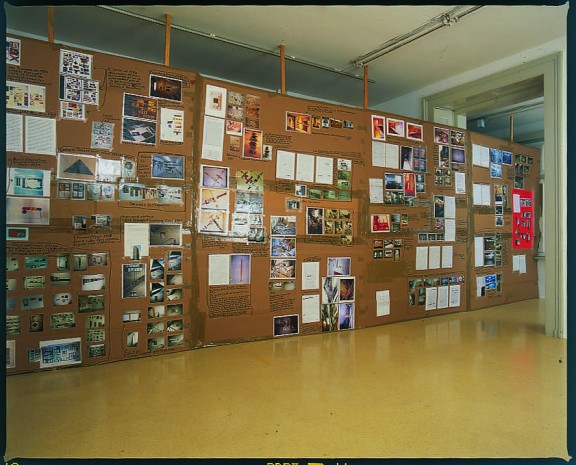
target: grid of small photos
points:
(451, 154)
(77, 88)
(388, 222)
(330, 222)
(389, 249)
(435, 293)
(47, 298)
(338, 295)
(282, 252)
(522, 166)
(165, 309)
(492, 250)
(500, 203)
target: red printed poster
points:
(522, 219)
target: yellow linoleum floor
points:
(486, 383)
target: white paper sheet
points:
(136, 235)
(213, 138)
(447, 256)
(434, 257)
(376, 190)
(449, 207)
(449, 230)
(480, 156)
(486, 195)
(310, 308)
(171, 125)
(431, 296)
(324, 170)
(382, 303)
(285, 164)
(215, 101)
(40, 135)
(522, 264)
(378, 154)
(392, 156)
(516, 263)
(421, 258)
(310, 275)
(304, 167)
(477, 194)
(480, 283)
(455, 295)
(478, 251)
(14, 133)
(516, 203)
(459, 182)
(443, 296)
(218, 269)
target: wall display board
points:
(151, 210)
(506, 212)
(279, 246)
(99, 153)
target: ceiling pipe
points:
(234, 42)
(445, 19)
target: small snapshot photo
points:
(441, 136)
(378, 124)
(282, 268)
(283, 247)
(393, 182)
(283, 226)
(339, 266)
(163, 234)
(414, 131)
(165, 88)
(298, 122)
(167, 167)
(214, 176)
(315, 220)
(394, 127)
(380, 222)
(240, 268)
(286, 325)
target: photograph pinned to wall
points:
(173, 294)
(457, 138)
(495, 155)
(393, 182)
(346, 316)
(171, 125)
(90, 92)
(378, 124)
(249, 202)
(298, 122)
(62, 320)
(347, 288)
(13, 48)
(165, 88)
(441, 136)
(240, 226)
(234, 128)
(61, 299)
(79, 222)
(282, 268)
(339, 266)
(91, 303)
(234, 112)
(134, 280)
(174, 279)
(329, 316)
(75, 63)
(12, 264)
(27, 210)
(102, 135)
(139, 107)
(167, 167)
(93, 191)
(72, 110)
(165, 234)
(129, 166)
(506, 158)
(74, 166)
(215, 101)
(282, 247)
(394, 127)
(348, 124)
(283, 225)
(380, 222)
(247, 180)
(174, 260)
(314, 221)
(60, 352)
(256, 234)
(286, 325)
(438, 206)
(70, 88)
(93, 282)
(458, 155)
(495, 170)
(157, 292)
(213, 222)
(414, 131)
(214, 176)
(28, 182)
(325, 122)
(32, 302)
(214, 199)
(109, 170)
(98, 258)
(252, 146)
(267, 152)
(409, 184)
(443, 156)
(138, 131)
(300, 190)
(78, 190)
(17, 95)
(293, 205)
(330, 290)
(157, 268)
(406, 158)
(240, 266)
(130, 191)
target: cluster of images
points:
(492, 250)
(387, 248)
(500, 203)
(522, 165)
(488, 285)
(304, 123)
(283, 249)
(451, 145)
(330, 222)
(52, 314)
(338, 295)
(164, 322)
(343, 184)
(419, 290)
(388, 222)
(77, 88)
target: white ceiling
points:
(328, 36)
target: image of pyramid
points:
(79, 167)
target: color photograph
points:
(252, 147)
(298, 122)
(286, 325)
(394, 127)
(165, 88)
